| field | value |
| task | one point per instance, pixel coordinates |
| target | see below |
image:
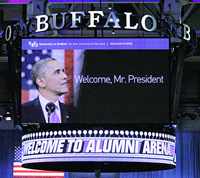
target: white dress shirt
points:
(43, 102)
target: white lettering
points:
(130, 146)
(107, 145)
(8, 33)
(43, 146)
(186, 32)
(70, 142)
(118, 146)
(128, 20)
(40, 23)
(98, 149)
(93, 19)
(60, 146)
(146, 147)
(159, 148)
(143, 23)
(114, 18)
(78, 146)
(76, 19)
(91, 146)
(153, 147)
(37, 147)
(52, 145)
(63, 20)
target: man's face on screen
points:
(55, 80)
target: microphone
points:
(50, 107)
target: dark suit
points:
(31, 112)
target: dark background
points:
(125, 103)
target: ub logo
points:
(33, 44)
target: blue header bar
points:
(85, 1)
(95, 43)
(105, 1)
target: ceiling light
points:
(113, 32)
(109, 6)
(7, 116)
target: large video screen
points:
(95, 80)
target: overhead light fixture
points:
(109, 6)
(113, 32)
(1, 118)
(112, 20)
(7, 116)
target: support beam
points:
(190, 11)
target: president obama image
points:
(50, 80)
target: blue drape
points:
(187, 159)
(8, 140)
(187, 148)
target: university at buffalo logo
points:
(33, 44)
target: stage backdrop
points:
(188, 158)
